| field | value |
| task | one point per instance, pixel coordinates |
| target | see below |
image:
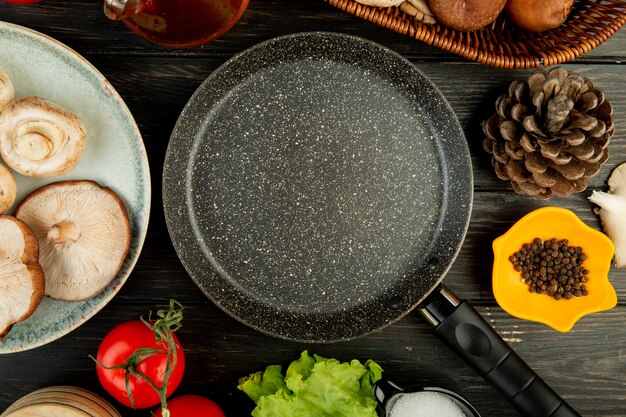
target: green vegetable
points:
(314, 387)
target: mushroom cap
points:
(6, 90)
(538, 15)
(8, 189)
(466, 15)
(83, 233)
(40, 139)
(21, 276)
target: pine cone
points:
(549, 134)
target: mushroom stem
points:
(613, 212)
(38, 140)
(65, 231)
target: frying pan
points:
(318, 187)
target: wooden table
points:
(587, 366)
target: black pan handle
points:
(460, 326)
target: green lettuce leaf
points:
(314, 387)
(263, 383)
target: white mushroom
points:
(8, 189)
(6, 90)
(613, 212)
(419, 9)
(83, 233)
(21, 277)
(40, 139)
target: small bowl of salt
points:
(426, 402)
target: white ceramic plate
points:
(114, 156)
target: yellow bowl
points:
(514, 296)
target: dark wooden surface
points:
(587, 366)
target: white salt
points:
(425, 404)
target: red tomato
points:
(192, 406)
(117, 346)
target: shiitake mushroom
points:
(466, 15)
(84, 235)
(538, 15)
(22, 278)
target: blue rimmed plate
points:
(114, 156)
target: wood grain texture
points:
(587, 365)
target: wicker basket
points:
(501, 44)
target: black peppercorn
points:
(552, 267)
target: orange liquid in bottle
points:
(185, 23)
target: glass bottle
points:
(177, 23)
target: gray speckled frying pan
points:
(318, 187)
